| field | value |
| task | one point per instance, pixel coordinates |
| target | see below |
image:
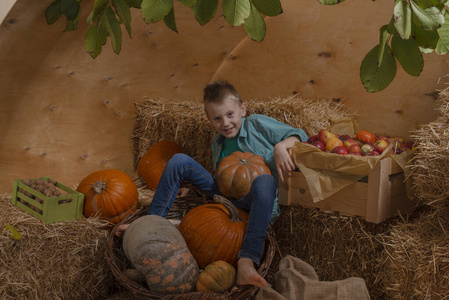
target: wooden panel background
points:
(65, 115)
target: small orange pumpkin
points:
(110, 192)
(236, 173)
(217, 277)
(152, 164)
(214, 232)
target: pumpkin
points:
(236, 172)
(217, 277)
(152, 163)
(109, 192)
(214, 231)
(157, 249)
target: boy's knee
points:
(179, 158)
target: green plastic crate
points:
(54, 209)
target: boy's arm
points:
(283, 160)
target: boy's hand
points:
(284, 163)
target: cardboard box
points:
(376, 197)
(48, 209)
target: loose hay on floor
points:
(63, 260)
(186, 123)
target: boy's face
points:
(226, 117)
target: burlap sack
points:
(297, 280)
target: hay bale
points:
(430, 167)
(186, 123)
(337, 246)
(415, 263)
(63, 260)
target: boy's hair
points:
(218, 90)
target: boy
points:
(257, 134)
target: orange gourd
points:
(236, 172)
(214, 232)
(217, 277)
(152, 164)
(110, 192)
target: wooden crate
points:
(376, 197)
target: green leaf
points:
(205, 10)
(99, 7)
(188, 3)
(373, 77)
(424, 38)
(71, 25)
(155, 10)
(70, 8)
(330, 2)
(269, 8)
(408, 54)
(169, 20)
(236, 11)
(383, 38)
(403, 18)
(255, 25)
(124, 13)
(95, 39)
(134, 3)
(114, 30)
(443, 41)
(53, 12)
(427, 18)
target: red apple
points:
(381, 145)
(324, 136)
(372, 153)
(312, 139)
(319, 145)
(340, 150)
(348, 143)
(355, 153)
(354, 149)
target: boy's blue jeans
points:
(258, 202)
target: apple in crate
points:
(324, 136)
(312, 139)
(340, 150)
(355, 153)
(354, 149)
(345, 137)
(319, 145)
(381, 145)
(349, 143)
(332, 143)
(366, 148)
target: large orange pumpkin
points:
(214, 232)
(110, 192)
(236, 172)
(152, 164)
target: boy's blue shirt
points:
(258, 135)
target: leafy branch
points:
(416, 27)
(107, 16)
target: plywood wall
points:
(65, 115)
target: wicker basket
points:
(118, 261)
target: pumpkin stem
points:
(243, 161)
(99, 186)
(234, 215)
